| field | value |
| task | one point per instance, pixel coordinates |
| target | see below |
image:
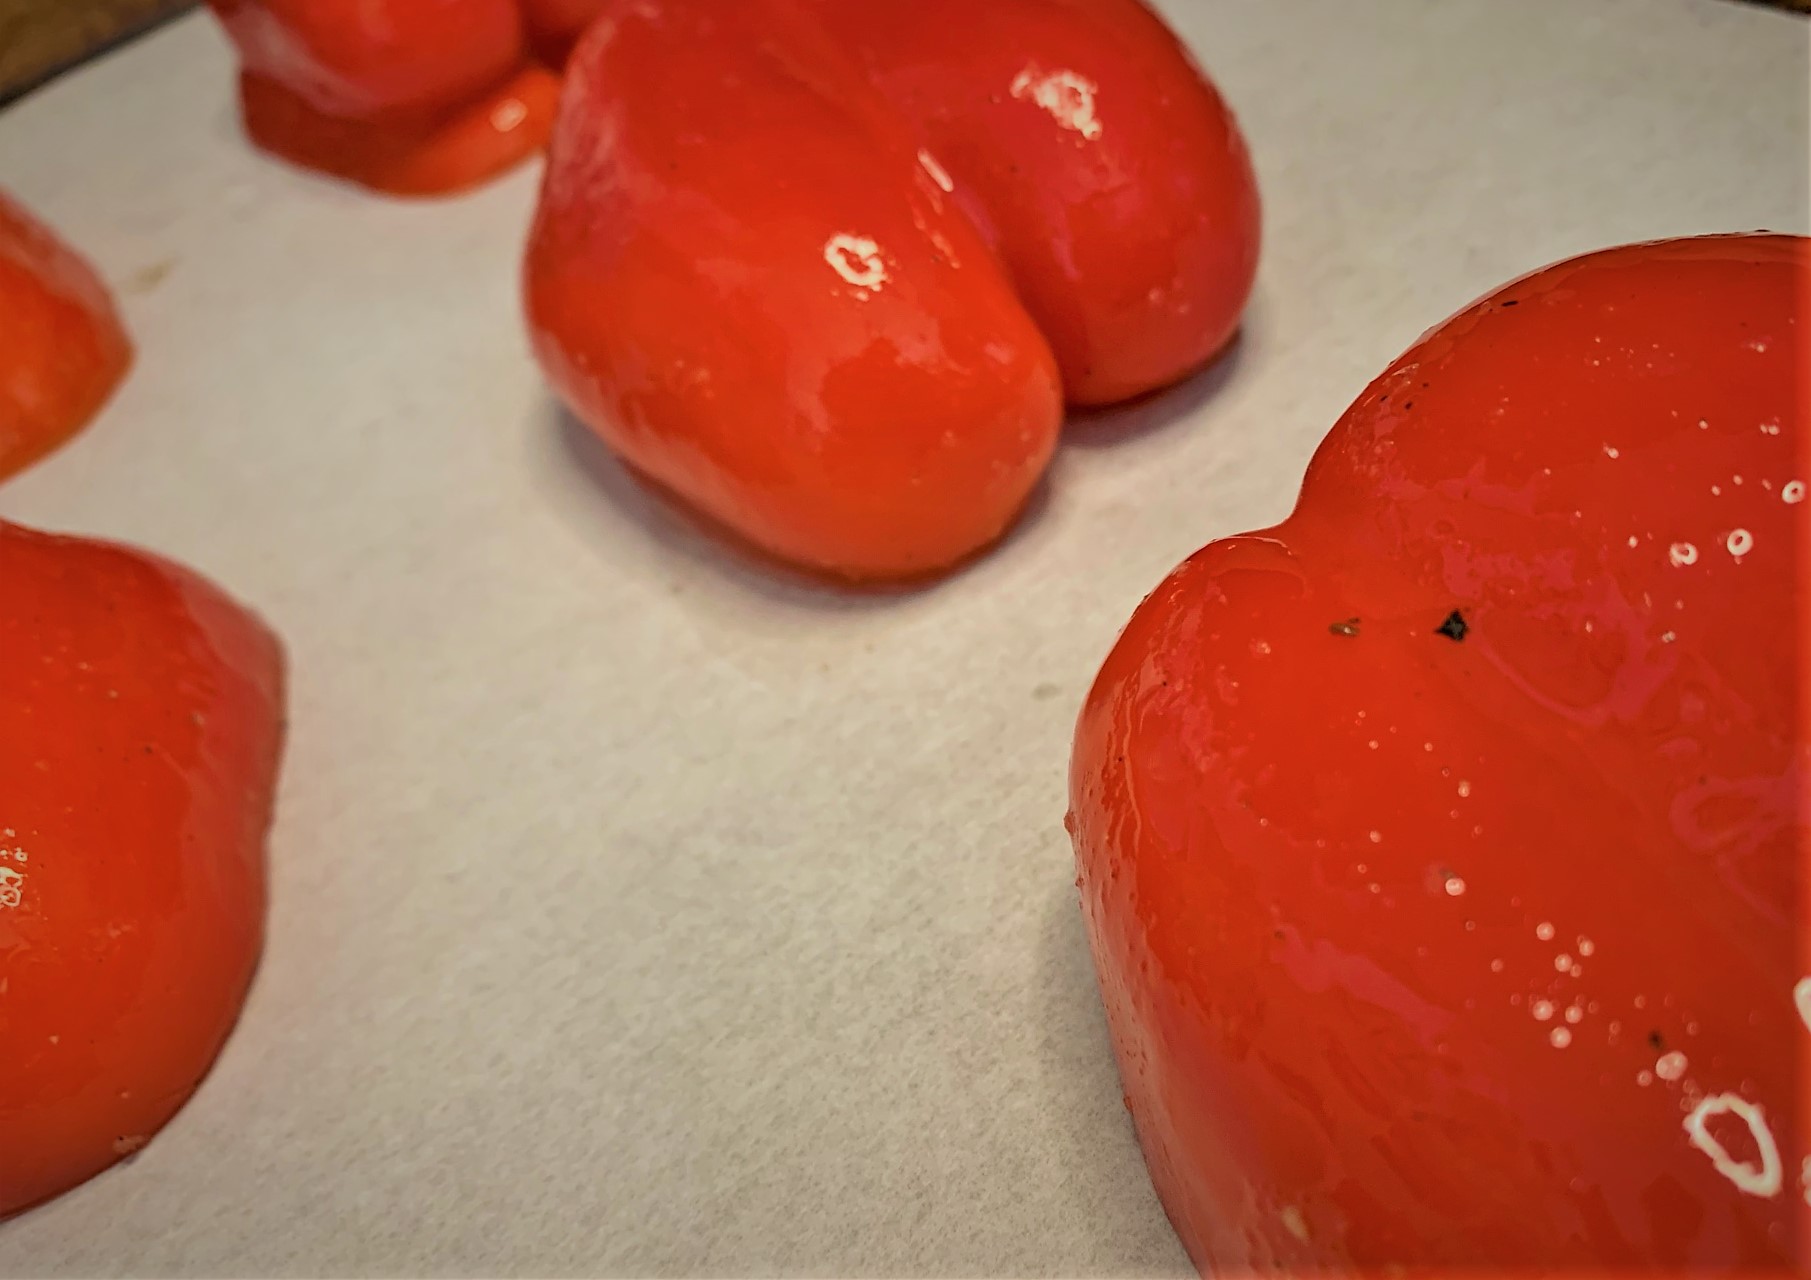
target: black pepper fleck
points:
(1455, 626)
(1656, 1040)
(1511, 302)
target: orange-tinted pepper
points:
(62, 347)
(140, 725)
(410, 97)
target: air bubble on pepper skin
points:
(1542, 1010)
(1611, 451)
(1644, 1077)
(856, 259)
(1682, 553)
(1294, 1223)
(1763, 1181)
(1067, 95)
(1544, 931)
(1801, 996)
(1740, 542)
(1559, 1037)
(1455, 886)
(1562, 962)
(12, 888)
(1671, 1065)
(1792, 491)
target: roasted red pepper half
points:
(829, 271)
(62, 347)
(1439, 847)
(410, 97)
(140, 726)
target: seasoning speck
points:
(1455, 626)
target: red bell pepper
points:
(140, 726)
(828, 271)
(62, 347)
(411, 97)
(1440, 847)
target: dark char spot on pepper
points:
(1455, 626)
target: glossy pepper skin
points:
(409, 97)
(140, 728)
(1438, 846)
(1109, 173)
(62, 347)
(745, 278)
(821, 269)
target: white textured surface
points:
(635, 910)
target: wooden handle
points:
(38, 38)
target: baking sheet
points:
(637, 909)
